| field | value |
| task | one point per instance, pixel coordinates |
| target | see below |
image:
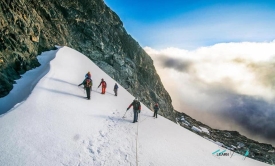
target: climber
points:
(103, 86)
(88, 83)
(88, 75)
(136, 109)
(156, 108)
(115, 89)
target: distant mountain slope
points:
(232, 140)
(56, 125)
(31, 26)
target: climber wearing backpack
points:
(88, 75)
(103, 85)
(136, 109)
(156, 108)
(87, 86)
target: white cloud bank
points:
(244, 68)
(209, 81)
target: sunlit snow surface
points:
(56, 125)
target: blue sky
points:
(190, 24)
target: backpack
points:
(88, 82)
(156, 107)
(136, 105)
(88, 75)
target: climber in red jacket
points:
(103, 85)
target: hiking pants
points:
(136, 115)
(156, 113)
(88, 92)
(103, 89)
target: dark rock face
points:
(29, 27)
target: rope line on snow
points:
(137, 139)
(143, 119)
(137, 145)
(139, 121)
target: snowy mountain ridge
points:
(56, 125)
(30, 27)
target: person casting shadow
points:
(103, 86)
(156, 108)
(136, 108)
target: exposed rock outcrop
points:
(29, 27)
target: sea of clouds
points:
(227, 86)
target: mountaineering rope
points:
(137, 138)
(139, 121)
(137, 146)
(143, 119)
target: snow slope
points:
(26, 83)
(56, 126)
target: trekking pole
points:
(124, 114)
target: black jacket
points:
(156, 107)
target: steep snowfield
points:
(24, 85)
(56, 126)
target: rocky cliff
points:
(28, 27)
